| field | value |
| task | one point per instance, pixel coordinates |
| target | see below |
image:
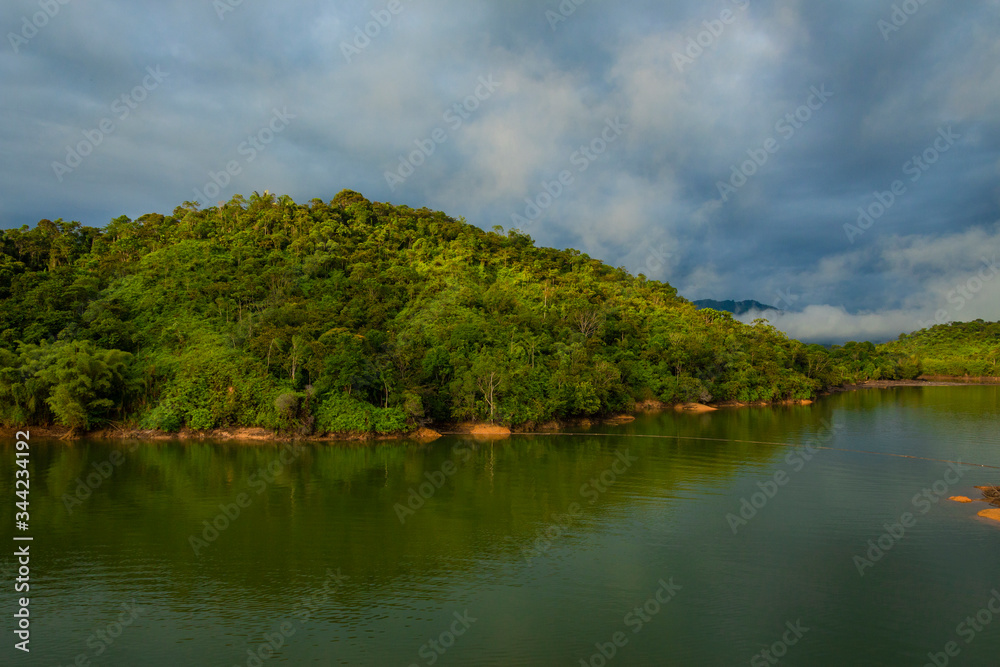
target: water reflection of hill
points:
(334, 505)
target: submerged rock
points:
(620, 419)
(960, 499)
(991, 514)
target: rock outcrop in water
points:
(991, 494)
(993, 514)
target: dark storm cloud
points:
(356, 106)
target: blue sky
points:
(727, 147)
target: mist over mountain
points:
(734, 307)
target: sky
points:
(838, 160)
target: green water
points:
(320, 562)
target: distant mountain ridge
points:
(734, 307)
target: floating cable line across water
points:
(756, 442)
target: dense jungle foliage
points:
(354, 316)
(957, 349)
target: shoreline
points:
(427, 434)
(923, 381)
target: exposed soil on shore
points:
(696, 408)
(760, 404)
(960, 380)
(474, 428)
(466, 428)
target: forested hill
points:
(957, 349)
(353, 316)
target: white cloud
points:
(948, 278)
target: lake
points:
(728, 538)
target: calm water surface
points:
(535, 550)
